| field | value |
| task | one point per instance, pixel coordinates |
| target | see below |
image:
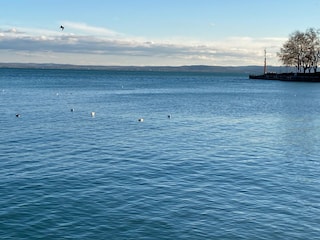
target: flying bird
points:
(62, 28)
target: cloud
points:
(106, 47)
(12, 30)
(87, 29)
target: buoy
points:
(93, 114)
(140, 120)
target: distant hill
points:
(191, 68)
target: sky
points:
(151, 32)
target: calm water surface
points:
(238, 159)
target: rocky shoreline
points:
(293, 77)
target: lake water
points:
(237, 159)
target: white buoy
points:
(140, 120)
(93, 114)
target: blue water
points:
(238, 159)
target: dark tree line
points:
(302, 50)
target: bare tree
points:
(302, 50)
(313, 49)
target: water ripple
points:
(237, 159)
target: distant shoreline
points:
(189, 68)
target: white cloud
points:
(87, 29)
(13, 30)
(106, 47)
